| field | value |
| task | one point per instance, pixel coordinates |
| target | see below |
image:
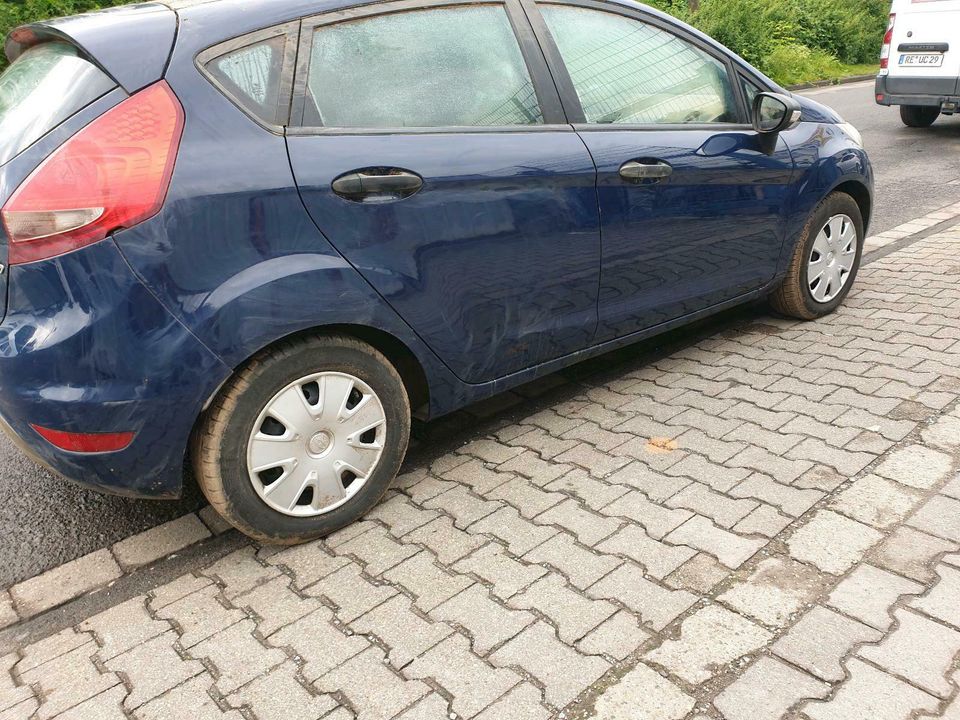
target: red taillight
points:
(112, 174)
(887, 40)
(87, 443)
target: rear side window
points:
(45, 86)
(440, 67)
(626, 71)
(253, 77)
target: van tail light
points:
(113, 174)
(887, 41)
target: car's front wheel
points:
(825, 262)
(919, 116)
(304, 439)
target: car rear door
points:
(691, 201)
(431, 149)
(925, 48)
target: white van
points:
(920, 62)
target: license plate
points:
(920, 59)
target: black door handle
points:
(638, 171)
(377, 184)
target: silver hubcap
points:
(832, 258)
(316, 443)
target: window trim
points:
(571, 98)
(548, 98)
(291, 31)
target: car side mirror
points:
(774, 113)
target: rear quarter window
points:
(46, 85)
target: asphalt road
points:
(45, 521)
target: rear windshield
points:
(45, 86)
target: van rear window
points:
(44, 87)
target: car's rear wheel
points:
(826, 260)
(304, 439)
(919, 116)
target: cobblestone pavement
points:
(765, 524)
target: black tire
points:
(919, 116)
(794, 297)
(219, 447)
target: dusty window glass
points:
(457, 66)
(750, 91)
(626, 71)
(252, 75)
(44, 87)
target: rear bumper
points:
(86, 348)
(920, 91)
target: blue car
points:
(255, 238)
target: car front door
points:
(432, 150)
(690, 200)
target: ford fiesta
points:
(257, 237)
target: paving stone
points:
(598, 464)
(320, 644)
(64, 583)
(308, 563)
(617, 637)
(152, 668)
(431, 707)
(237, 656)
(844, 462)
(876, 501)
(578, 565)
(465, 507)
(473, 683)
(68, 680)
(765, 521)
(192, 694)
(943, 434)
(592, 493)
(777, 589)
(490, 451)
(820, 640)
(50, 648)
(563, 672)
(108, 705)
(426, 581)
(869, 593)
(940, 517)
(730, 549)
(377, 551)
(401, 629)
(767, 691)
(873, 694)
(588, 527)
(519, 534)
(919, 650)
(701, 574)
(493, 565)
(352, 593)
(643, 694)
(276, 604)
(544, 444)
(199, 615)
(278, 694)
(909, 552)
(8, 616)
(447, 542)
(820, 477)
(781, 469)
(540, 472)
(655, 485)
(160, 541)
(791, 500)
(724, 511)
(241, 571)
(521, 703)
(488, 623)
(916, 466)
(832, 542)
(572, 613)
(952, 489)
(657, 520)
(123, 627)
(656, 606)
(373, 689)
(709, 639)
(943, 601)
(400, 516)
(719, 477)
(658, 559)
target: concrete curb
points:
(836, 81)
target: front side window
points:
(253, 76)
(628, 72)
(441, 67)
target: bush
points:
(791, 64)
